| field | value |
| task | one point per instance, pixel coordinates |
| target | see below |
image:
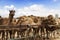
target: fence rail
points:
(22, 32)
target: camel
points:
(30, 20)
(31, 24)
(1, 20)
(11, 14)
(49, 24)
(5, 21)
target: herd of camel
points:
(33, 23)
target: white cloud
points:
(4, 12)
(38, 10)
(9, 7)
(32, 10)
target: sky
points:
(30, 7)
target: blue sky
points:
(23, 6)
(22, 3)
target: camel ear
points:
(12, 11)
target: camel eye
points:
(35, 20)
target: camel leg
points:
(54, 34)
(41, 32)
(47, 33)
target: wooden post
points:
(12, 34)
(0, 35)
(8, 35)
(5, 33)
(16, 34)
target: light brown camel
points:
(30, 20)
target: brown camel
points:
(12, 12)
(47, 22)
